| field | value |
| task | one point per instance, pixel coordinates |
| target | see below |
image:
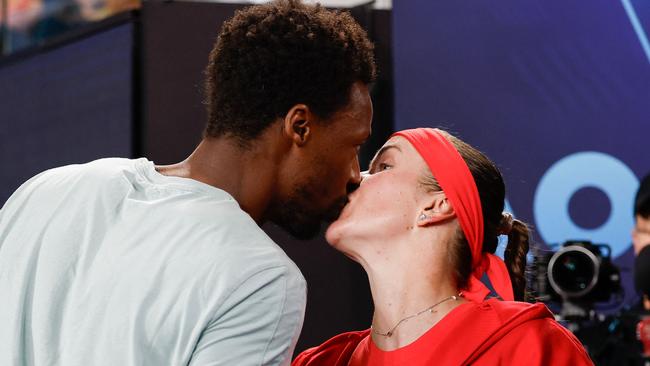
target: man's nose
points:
(355, 178)
(364, 174)
(353, 185)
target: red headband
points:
(455, 179)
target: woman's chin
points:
(336, 237)
(338, 232)
(333, 233)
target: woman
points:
(423, 225)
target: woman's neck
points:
(400, 292)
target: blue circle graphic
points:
(572, 173)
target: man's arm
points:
(258, 324)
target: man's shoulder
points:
(248, 247)
(54, 183)
(95, 171)
(247, 259)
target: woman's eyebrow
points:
(381, 152)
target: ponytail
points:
(515, 258)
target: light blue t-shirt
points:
(112, 263)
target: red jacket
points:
(489, 333)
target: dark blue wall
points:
(557, 93)
(69, 104)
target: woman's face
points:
(387, 203)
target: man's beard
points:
(298, 216)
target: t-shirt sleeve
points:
(258, 324)
(20, 195)
(542, 342)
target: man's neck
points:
(249, 175)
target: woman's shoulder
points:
(334, 352)
(530, 332)
(541, 341)
(508, 310)
(496, 316)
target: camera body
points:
(581, 283)
(578, 275)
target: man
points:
(121, 262)
(641, 240)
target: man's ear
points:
(436, 211)
(297, 124)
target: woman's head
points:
(384, 210)
(491, 190)
(401, 190)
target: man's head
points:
(304, 70)
(641, 238)
(641, 232)
(270, 57)
(322, 165)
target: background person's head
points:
(641, 239)
(304, 70)
(641, 231)
(383, 220)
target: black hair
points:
(642, 199)
(270, 57)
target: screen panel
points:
(556, 93)
(69, 104)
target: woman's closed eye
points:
(380, 167)
(384, 166)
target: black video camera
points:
(577, 276)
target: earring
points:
(422, 217)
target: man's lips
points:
(337, 209)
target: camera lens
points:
(573, 271)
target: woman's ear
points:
(436, 211)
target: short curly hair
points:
(270, 57)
